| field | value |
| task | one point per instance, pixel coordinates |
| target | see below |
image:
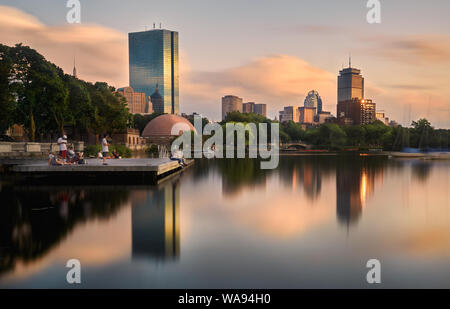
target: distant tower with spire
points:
(74, 68)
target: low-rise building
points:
(307, 114)
(289, 113)
(356, 111)
(230, 103)
(381, 116)
(136, 101)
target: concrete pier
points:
(126, 171)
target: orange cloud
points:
(276, 80)
(101, 53)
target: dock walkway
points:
(126, 170)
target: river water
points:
(313, 222)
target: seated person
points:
(71, 157)
(115, 154)
(54, 160)
(177, 155)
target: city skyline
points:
(405, 58)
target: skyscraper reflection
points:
(355, 183)
(156, 222)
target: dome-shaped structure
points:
(160, 128)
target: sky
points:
(265, 51)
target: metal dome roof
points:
(162, 126)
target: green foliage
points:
(330, 135)
(93, 150)
(7, 104)
(122, 150)
(152, 150)
(236, 116)
(40, 92)
(356, 135)
(293, 130)
(38, 95)
(81, 111)
(111, 113)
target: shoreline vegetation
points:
(346, 138)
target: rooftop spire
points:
(74, 68)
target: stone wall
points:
(28, 149)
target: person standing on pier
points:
(62, 142)
(105, 149)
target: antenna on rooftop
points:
(349, 60)
(160, 25)
(154, 25)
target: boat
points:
(401, 154)
(407, 152)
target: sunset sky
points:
(270, 52)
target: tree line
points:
(36, 94)
(420, 134)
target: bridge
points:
(295, 146)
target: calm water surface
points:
(313, 222)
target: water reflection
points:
(156, 222)
(355, 183)
(34, 220)
(239, 224)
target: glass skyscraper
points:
(153, 59)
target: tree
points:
(7, 102)
(356, 135)
(141, 121)
(110, 112)
(421, 132)
(80, 112)
(293, 130)
(375, 132)
(40, 92)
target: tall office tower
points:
(153, 57)
(313, 99)
(231, 103)
(261, 109)
(248, 107)
(350, 84)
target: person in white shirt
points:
(105, 149)
(177, 155)
(62, 142)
